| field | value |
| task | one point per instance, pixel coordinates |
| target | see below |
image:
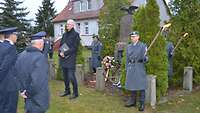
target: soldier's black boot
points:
(132, 100)
(141, 108)
(142, 100)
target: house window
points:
(89, 4)
(86, 28)
(83, 6)
(61, 29)
(78, 27)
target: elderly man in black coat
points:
(68, 52)
(8, 56)
(32, 73)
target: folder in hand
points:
(64, 48)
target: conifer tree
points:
(45, 14)
(13, 15)
(186, 19)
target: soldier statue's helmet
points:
(8, 31)
(134, 33)
(38, 35)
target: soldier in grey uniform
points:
(96, 53)
(135, 70)
(170, 48)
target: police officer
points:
(96, 53)
(32, 73)
(136, 74)
(68, 58)
(8, 84)
(170, 48)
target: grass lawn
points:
(189, 103)
(91, 101)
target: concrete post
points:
(90, 64)
(151, 90)
(187, 78)
(86, 66)
(100, 81)
(79, 73)
(51, 69)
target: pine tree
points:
(12, 15)
(186, 19)
(110, 16)
(44, 16)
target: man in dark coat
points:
(32, 73)
(96, 53)
(135, 70)
(68, 52)
(8, 85)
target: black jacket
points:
(72, 39)
(32, 73)
(8, 56)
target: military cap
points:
(134, 33)
(8, 31)
(38, 35)
(95, 36)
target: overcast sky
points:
(33, 5)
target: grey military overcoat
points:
(135, 69)
(96, 53)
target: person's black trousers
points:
(142, 96)
(69, 76)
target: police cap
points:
(38, 35)
(8, 31)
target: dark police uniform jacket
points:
(8, 56)
(32, 73)
(72, 40)
(96, 53)
(135, 69)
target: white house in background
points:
(86, 13)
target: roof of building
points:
(67, 13)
